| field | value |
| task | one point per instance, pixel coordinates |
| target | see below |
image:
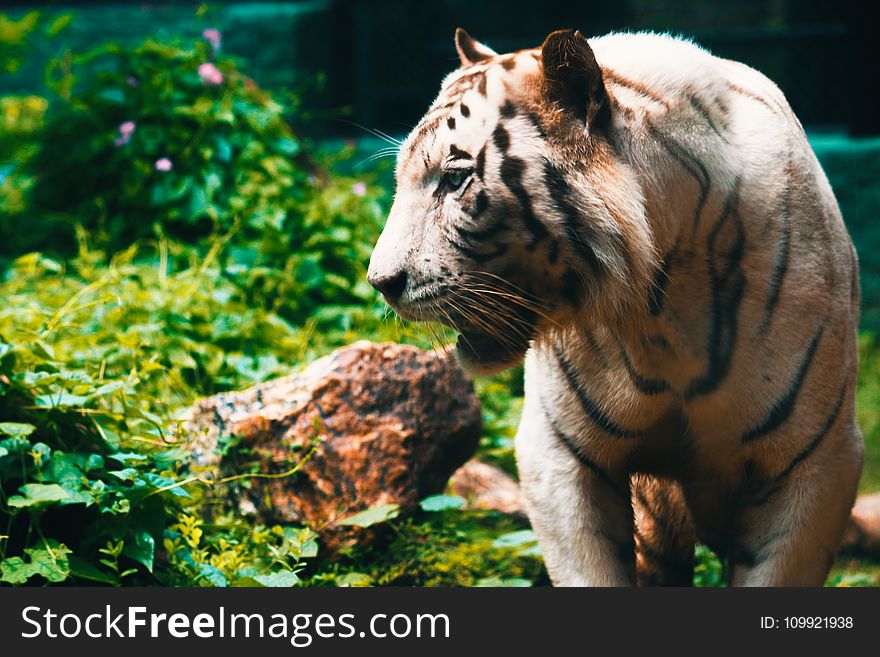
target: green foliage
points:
(708, 570)
(242, 260)
(447, 546)
(372, 516)
(165, 133)
(233, 553)
(868, 409)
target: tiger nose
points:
(390, 285)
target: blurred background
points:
(189, 195)
(383, 59)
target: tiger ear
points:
(471, 51)
(572, 77)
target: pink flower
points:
(213, 37)
(210, 74)
(359, 189)
(126, 130)
(163, 164)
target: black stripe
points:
(691, 164)
(500, 138)
(457, 153)
(700, 109)
(481, 234)
(480, 165)
(483, 257)
(596, 347)
(572, 288)
(451, 123)
(577, 232)
(481, 203)
(781, 266)
(774, 483)
(643, 384)
(512, 169)
(536, 124)
(648, 508)
(784, 405)
(616, 78)
(727, 287)
(465, 110)
(508, 110)
(591, 408)
(582, 458)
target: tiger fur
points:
(647, 225)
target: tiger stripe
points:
(691, 164)
(773, 483)
(780, 267)
(577, 231)
(590, 407)
(783, 406)
(727, 287)
(577, 452)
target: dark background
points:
(381, 61)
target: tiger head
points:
(513, 212)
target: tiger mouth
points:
(490, 339)
(484, 350)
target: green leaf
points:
(3, 452)
(354, 580)
(127, 474)
(372, 516)
(50, 561)
(141, 549)
(17, 429)
(15, 571)
(122, 457)
(515, 539)
(169, 485)
(441, 503)
(82, 569)
(60, 399)
(213, 575)
(38, 495)
(495, 581)
(282, 579)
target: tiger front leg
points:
(582, 516)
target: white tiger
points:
(647, 224)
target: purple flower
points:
(210, 74)
(359, 189)
(163, 164)
(132, 81)
(213, 37)
(126, 130)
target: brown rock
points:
(486, 486)
(862, 535)
(388, 423)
